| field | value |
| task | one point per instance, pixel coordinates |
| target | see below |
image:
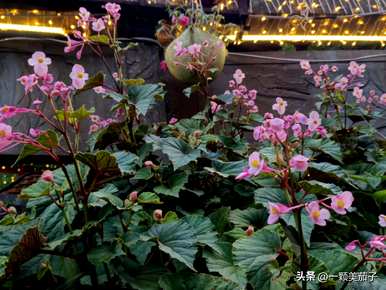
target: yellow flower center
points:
(2, 134)
(255, 163)
(315, 214)
(340, 203)
(80, 75)
(274, 210)
(41, 60)
(5, 109)
(384, 218)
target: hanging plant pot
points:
(195, 56)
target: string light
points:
(32, 28)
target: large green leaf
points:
(249, 216)
(177, 240)
(203, 230)
(145, 96)
(269, 276)
(262, 246)
(342, 259)
(226, 169)
(105, 195)
(307, 225)
(317, 187)
(265, 194)
(325, 146)
(174, 185)
(222, 263)
(104, 253)
(126, 161)
(38, 189)
(100, 162)
(149, 198)
(179, 152)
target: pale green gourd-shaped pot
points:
(188, 37)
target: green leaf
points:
(189, 90)
(145, 96)
(105, 253)
(177, 240)
(149, 198)
(105, 195)
(126, 161)
(133, 82)
(342, 259)
(226, 98)
(38, 189)
(220, 218)
(307, 225)
(101, 162)
(94, 81)
(179, 152)
(170, 216)
(262, 246)
(249, 216)
(380, 196)
(265, 194)
(48, 139)
(203, 230)
(226, 169)
(269, 276)
(174, 185)
(143, 174)
(317, 187)
(101, 38)
(325, 146)
(332, 171)
(222, 263)
(63, 267)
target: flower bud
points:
(157, 215)
(12, 210)
(149, 164)
(197, 134)
(250, 230)
(133, 196)
(48, 176)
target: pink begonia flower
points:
(84, 14)
(299, 118)
(378, 242)
(250, 230)
(173, 120)
(37, 102)
(276, 125)
(35, 132)
(305, 65)
(317, 215)
(78, 76)
(341, 202)
(324, 68)
(297, 130)
(317, 80)
(382, 220)
(243, 175)
(99, 90)
(314, 121)
(163, 66)
(48, 176)
(356, 69)
(98, 25)
(73, 44)
(214, 107)
(280, 106)
(183, 20)
(358, 94)
(93, 128)
(334, 68)
(28, 81)
(179, 50)
(7, 112)
(276, 210)
(255, 163)
(157, 214)
(382, 100)
(299, 163)
(60, 89)
(258, 133)
(342, 84)
(194, 50)
(113, 9)
(238, 76)
(352, 246)
(5, 131)
(40, 63)
(133, 196)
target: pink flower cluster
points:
(340, 203)
(375, 243)
(182, 20)
(241, 95)
(277, 130)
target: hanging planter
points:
(195, 56)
